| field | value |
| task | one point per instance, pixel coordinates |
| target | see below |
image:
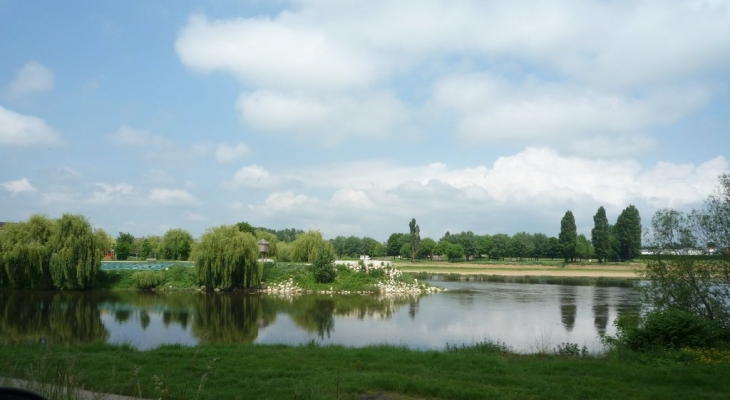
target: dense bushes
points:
(670, 329)
(147, 279)
(323, 267)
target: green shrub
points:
(323, 267)
(669, 329)
(147, 279)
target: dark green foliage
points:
(323, 268)
(123, 248)
(568, 236)
(500, 246)
(670, 329)
(395, 243)
(147, 279)
(628, 230)
(245, 227)
(454, 252)
(176, 245)
(600, 235)
(415, 238)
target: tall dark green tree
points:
(628, 230)
(600, 235)
(568, 236)
(395, 242)
(124, 245)
(415, 238)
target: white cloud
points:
(556, 69)
(19, 186)
(227, 153)
(489, 108)
(25, 130)
(109, 192)
(135, 137)
(251, 176)
(280, 53)
(537, 182)
(171, 196)
(33, 77)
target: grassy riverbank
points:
(525, 268)
(331, 372)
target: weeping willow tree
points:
(76, 258)
(25, 252)
(226, 257)
(306, 246)
(43, 253)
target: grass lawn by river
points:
(311, 371)
(525, 268)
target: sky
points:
(352, 117)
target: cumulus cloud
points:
(171, 196)
(279, 53)
(489, 108)
(227, 153)
(20, 130)
(19, 186)
(517, 72)
(134, 137)
(33, 77)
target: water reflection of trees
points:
(568, 308)
(600, 309)
(316, 313)
(50, 317)
(227, 318)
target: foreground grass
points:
(254, 371)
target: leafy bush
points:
(323, 267)
(147, 279)
(669, 330)
(571, 350)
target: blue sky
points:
(352, 117)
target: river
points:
(527, 317)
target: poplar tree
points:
(226, 258)
(600, 235)
(628, 230)
(568, 236)
(415, 238)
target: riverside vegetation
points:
(681, 349)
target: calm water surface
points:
(526, 317)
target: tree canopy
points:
(415, 238)
(45, 253)
(226, 257)
(628, 230)
(307, 245)
(600, 236)
(568, 236)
